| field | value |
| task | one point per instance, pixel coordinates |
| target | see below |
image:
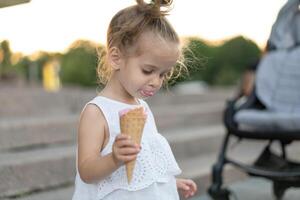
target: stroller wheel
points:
(278, 190)
(220, 194)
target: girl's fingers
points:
(129, 151)
(182, 185)
(122, 137)
(191, 184)
(194, 187)
(126, 143)
(128, 158)
(187, 186)
(186, 195)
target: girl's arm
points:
(92, 166)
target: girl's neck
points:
(114, 90)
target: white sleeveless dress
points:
(155, 169)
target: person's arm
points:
(248, 81)
(92, 166)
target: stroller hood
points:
(286, 29)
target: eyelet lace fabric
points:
(155, 163)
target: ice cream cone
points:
(132, 123)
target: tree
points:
(233, 57)
(23, 67)
(78, 65)
(5, 60)
(219, 65)
(41, 59)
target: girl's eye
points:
(147, 71)
(163, 75)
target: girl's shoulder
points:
(91, 113)
(95, 109)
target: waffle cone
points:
(132, 124)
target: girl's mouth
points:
(146, 93)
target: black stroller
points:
(270, 113)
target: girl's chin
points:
(139, 96)
(144, 98)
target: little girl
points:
(142, 52)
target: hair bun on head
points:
(163, 2)
(154, 7)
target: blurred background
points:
(48, 58)
(41, 39)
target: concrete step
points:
(61, 193)
(197, 168)
(52, 165)
(27, 101)
(193, 141)
(32, 131)
(212, 94)
(36, 169)
(185, 115)
(20, 134)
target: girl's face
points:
(142, 74)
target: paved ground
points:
(255, 189)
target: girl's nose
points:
(156, 81)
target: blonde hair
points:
(129, 23)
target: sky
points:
(52, 25)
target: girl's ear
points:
(115, 57)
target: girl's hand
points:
(124, 149)
(186, 187)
